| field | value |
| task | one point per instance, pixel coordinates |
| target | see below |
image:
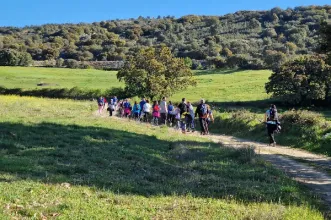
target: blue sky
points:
(34, 12)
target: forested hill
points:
(259, 37)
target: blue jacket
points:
(136, 108)
(142, 103)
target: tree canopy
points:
(304, 81)
(155, 72)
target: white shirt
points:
(163, 107)
(147, 107)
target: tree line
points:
(245, 39)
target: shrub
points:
(14, 58)
(70, 63)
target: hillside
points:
(258, 39)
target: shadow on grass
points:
(216, 71)
(131, 163)
(258, 106)
(65, 93)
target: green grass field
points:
(59, 159)
(218, 86)
(29, 77)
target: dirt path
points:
(298, 164)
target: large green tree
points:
(305, 81)
(326, 39)
(155, 72)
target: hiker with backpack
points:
(136, 110)
(163, 110)
(271, 119)
(171, 114)
(127, 108)
(156, 113)
(183, 106)
(202, 112)
(101, 104)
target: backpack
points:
(170, 108)
(203, 110)
(156, 108)
(272, 115)
(182, 107)
(100, 102)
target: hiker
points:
(156, 113)
(142, 103)
(163, 110)
(146, 110)
(120, 108)
(127, 108)
(114, 98)
(271, 119)
(183, 120)
(202, 112)
(111, 107)
(177, 118)
(101, 104)
(136, 110)
(171, 114)
(183, 106)
(190, 117)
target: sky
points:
(22, 13)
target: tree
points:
(306, 80)
(154, 72)
(325, 41)
(14, 58)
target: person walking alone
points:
(271, 119)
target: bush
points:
(59, 62)
(14, 58)
(70, 63)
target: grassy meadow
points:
(59, 159)
(29, 77)
(215, 86)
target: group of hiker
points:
(161, 113)
(181, 116)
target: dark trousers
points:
(189, 122)
(271, 128)
(163, 118)
(171, 118)
(146, 116)
(204, 125)
(110, 112)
